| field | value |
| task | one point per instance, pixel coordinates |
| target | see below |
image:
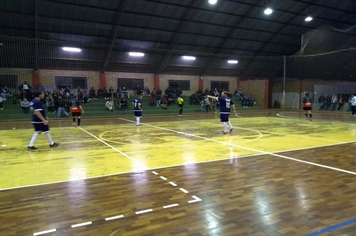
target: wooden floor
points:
(177, 176)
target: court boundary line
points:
(251, 149)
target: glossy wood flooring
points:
(251, 182)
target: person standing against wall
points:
(307, 106)
(353, 105)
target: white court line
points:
(255, 150)
(114, 217)
(154, 172)
(45, 232)
(162, 177)
(117, 150)
(81, 224)
(144, 211)
(172, 205)
(196, 199)
(173, 184)
(183, 190)
(3, 145)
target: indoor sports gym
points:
(177, 117)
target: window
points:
(11, 81)
(129, 83)
(181, 84)
(70, 81)
(224, 85)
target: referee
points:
(180, 104)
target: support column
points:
(156, 81)
(36, 78)
(102, 80)
(266, 93)
(201, 83)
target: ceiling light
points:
(190, 58)
(232, 61)
(136, 54)
(69, 49)
(212, 2)
(268, 11)
(308, 18)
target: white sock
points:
(33, 140)
(137, 120)
(225, 127)
(48, 136)
(229, 124)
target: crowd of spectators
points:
(200, 98)
(334, 102)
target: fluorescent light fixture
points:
(136, 54)
(232, 61)
(308, 18)
(268, 11)
(190, 58)
(69, 49)
(212, 2)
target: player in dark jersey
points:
(40, 121)
(76, 109)
(225, 108)
(307, 106)
(138, 109)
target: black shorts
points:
(307, 108)
(41, 128)
(180, 105)
(224, 117)
(76, 114)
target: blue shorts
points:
(41, 128)
(224, 117)
(138, 113)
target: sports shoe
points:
(32, 148)
(74, 123)
(54, 145)
(231, 130)
(222, 132)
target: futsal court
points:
(275, 174)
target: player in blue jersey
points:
(40, 121)
(138, 109)
(225, 108)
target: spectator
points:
(125, 93)
(40, 88)
(25, 91)
(207, 104)
(321, 101)
(123, 104)
(100, 92)
(61, 103)
(119, 92)
(50, 103)
(353, 105)
(138, 90)
(147, 91)
(341, 102)
(350, 99)
(334, 102)
(216, 92)
(5, 93)
(109, 105)
(1, 104)
(92, 94)
(202, 105)
(25, 105)
(328, 103)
